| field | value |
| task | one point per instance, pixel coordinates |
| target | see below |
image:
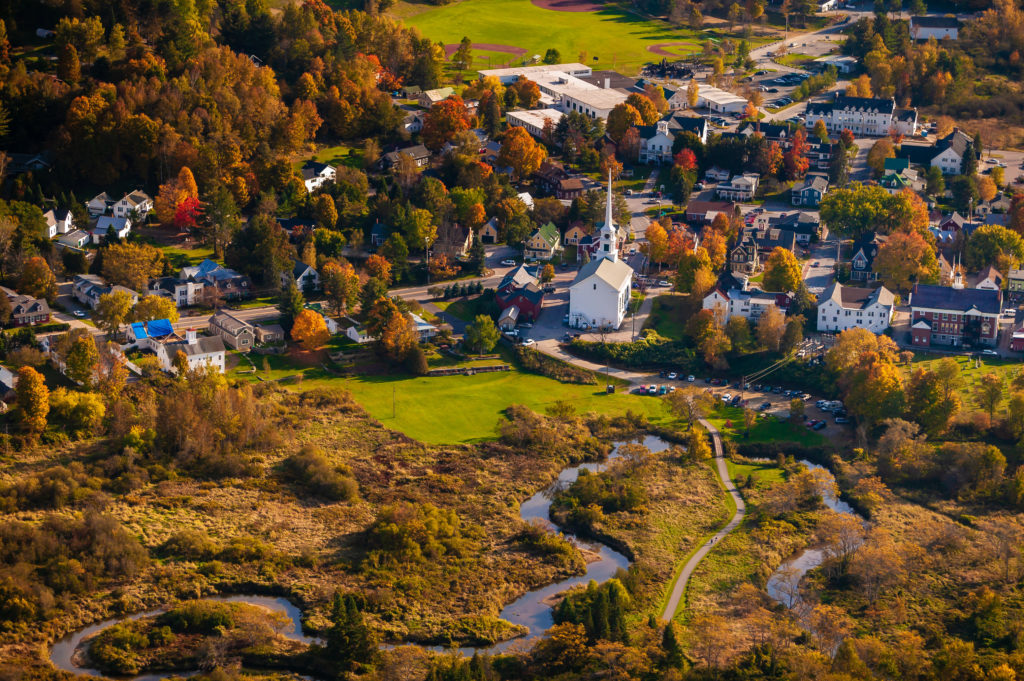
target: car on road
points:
(672, 375)
(819, 425)
(765, 406)
(760, 73)
(771, 89)
(814, 264)
(528, 342)
(79, 314)
(842, 419)
(690, 378)
(726, 397)
(989, 352)
(663, 282)
(508, 262)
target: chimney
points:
(190, 337)
(607, 83)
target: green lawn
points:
(464, 309)
(612, 38)
(795, 60)
(765, 430)
(1006, 368)
(668, 316)
(183, 257)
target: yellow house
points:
(489, 232)
(573, 235)
(543, 243)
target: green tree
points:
(155, 307)
(928, 404)
(993, 245)
(372, 291)
(989, 393)
(482, 335)
(341, 286)
(462, 58)
(82, 360)
(349, 640)
(397, 253)
(936, 182)
(292, 303)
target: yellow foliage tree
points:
(172, 193)
(310, 330)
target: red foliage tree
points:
(444, 120)
(795, 160)
(686, 160)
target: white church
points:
(599, 297)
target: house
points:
(184, 293)
(732, 297)
(679, 124)
(424, 329)
(315, 175)
(947, 153)
(553, 178)
(543, 243)
(655, 143)
(700, 212)
(804, 226)
(519, 289)
(230, 284)
(1016, 337)
(135, 205)
(864, 251)
(453, 240)
(842, 63)
(943, 315)
(429, 98)
(1015, 282)
(526, 198)
(534, 120)
(489, 233)
(155, 328)
(26, 310)
(745, 258)
(861, 115)
(236, 333)
(99, 204)
(296, 227)
(76, 238)
(811, 191)
(354, 330)
(739, 188)
(573, 235)
(87, 289)
(307, 278)
(895, 182)
(418, 153)
(716, 174)
(989, 279)
(378, 235)
(841, 308)
(58, 221)
(205, 351)
(269, 333)
(107, 225)
(508, 318)
(413, 122)
(410, 91)
(600, 294)
(20, 163)
(928, 27)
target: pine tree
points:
(670, 644)
(292, 303)
(478, 256)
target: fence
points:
(468, 371)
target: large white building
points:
(845, 307)
(732, 297)
(862, 116)
(562, 88)
(719, 100)
(534, 119)
(599, 296)
(927, 27)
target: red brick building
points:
(942, 315)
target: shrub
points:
(311, 469)
(539, 363)
(115, 649)
(189, 545)
(415, 532)
(198, 617)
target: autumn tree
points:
(690, 404)
(989, 393)
(378, 267)
(782, 271)
(795, 159)
(37, 279)
(987, 189)
(443, 121)
(33, 399)
(874, 389)
(132, 265)
(112, 311)
(521, 152)
(928, 403)
(880, 151)
(399, 337)
(82, 360)
(175, 193)
(622, 117)
(155, 307)
(657, 243)
(906, 259)
(310, 330)
(527, 92)
(341, 286)
(649, 113)
(697, 447)
(994, 245)
(770, 328)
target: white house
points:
(927, 27)
(184, 292)
(862, 115)
(76, 238)
(58, 222)
(121, 226)
(739, 188)
(656, 143)
(742, 302)
(947, 154)
(87, 289)
(599, 296)
(99, 204)
(204, 351)
(429, 98)
(845, 307)
(136, 203)
(721, 101)
(534, 120)
(315, 175)
(355, 331)
(305, 276)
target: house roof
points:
(229, 322)
(136, 198)
(615, 274)
(817, 182)
(958, 300)
(935, 21)
(25, 305)
(105, 222)
(695, 124)
(769, 130)
(918, 154)
(548, 232)
(156, 328)
(853, 298)
(520, 276)
(204, 345)
(299, 268)
(102, 196)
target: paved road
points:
(819, 271)
(679, 589)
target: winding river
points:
(808, 559)
(532, 609)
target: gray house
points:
(236, 333)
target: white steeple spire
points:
(608, 247)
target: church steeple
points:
(608, 246)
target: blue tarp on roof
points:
(159, 328)
(139, 330)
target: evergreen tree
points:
(670, 644)
(349, 640)
(478, 256)
(292, 303)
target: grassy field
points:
(667, 316)
(183, 257)
(764, 430)
(610, 39)
(795, 59)
(971, 374)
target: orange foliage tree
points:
(310, 330)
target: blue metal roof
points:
(138, 330)
(159, 328)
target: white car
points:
(691, 378)
(78, 313)
(508, 262)
(528, 342)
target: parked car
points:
(819, 425)
(765, 406)
(842, 419)
(690, 378)
(989, 352)
(78, 313)
(652, 389)
(528, 342)
(508, 262)
(735, 401)
(672, 375)
(726, 397)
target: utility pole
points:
(426, 253)
(392, 401)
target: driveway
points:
(819, 271)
